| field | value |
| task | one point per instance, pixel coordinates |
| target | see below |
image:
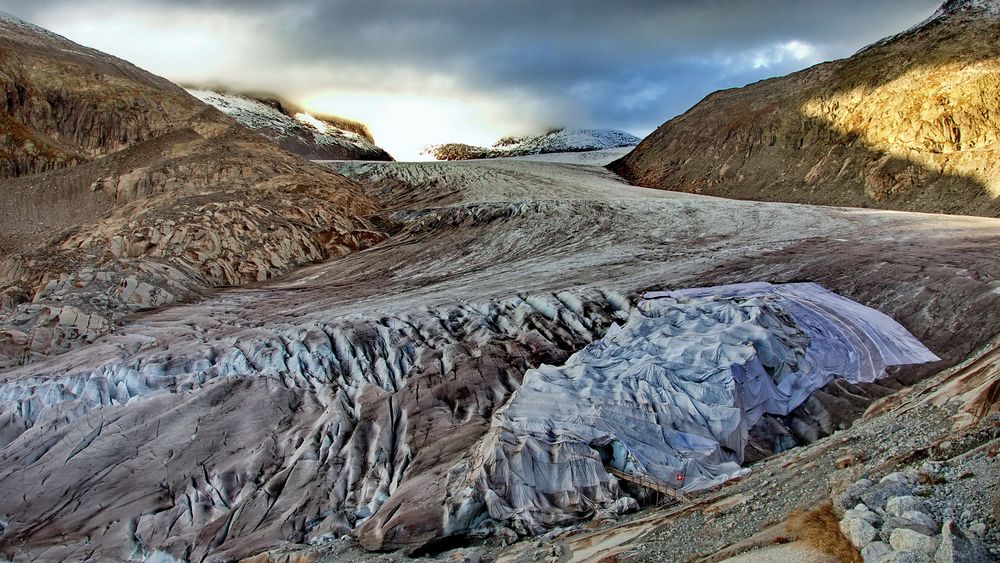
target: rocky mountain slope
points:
(908, 123)
(126, 193)
(316, 137)
(65, 104)
(557, 141)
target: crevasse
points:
(672, 395)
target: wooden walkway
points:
(652, 484)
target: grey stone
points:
(862, 512)
(875, 551)
(956, 546)
(896, 506)
(897, 477)
(893, 522)
(922, 518)
(860, 532)
(906, 556)
(876, 496)
(851, 495)
(904, 539)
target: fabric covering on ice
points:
(672, 395)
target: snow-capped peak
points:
(11, 19)
(308, 119)
(988, 7)
(556, 141)
(295, 130)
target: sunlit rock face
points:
(672, 395)
(908, 123)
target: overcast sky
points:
(429, 71)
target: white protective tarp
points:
(673, 393)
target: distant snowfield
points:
(602, 157)
(302, 133)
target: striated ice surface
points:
(673, 394)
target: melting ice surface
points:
(673, 393)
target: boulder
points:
(956, 546)
(877, 495)
(863, 512)
(896, 506)
(922, 518)
(906, 556)
(875, 551)
(860, 532)
(851, 495)
(893, 523)
(904, 539)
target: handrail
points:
(650, 483)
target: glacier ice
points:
(672, 395)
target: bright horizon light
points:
(404, 124)
(451, 77)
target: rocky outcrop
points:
(62, 104)
(316, 137)
(893, 525)
(166, 198)
(908, 123)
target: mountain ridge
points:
(907, 123)
(554, 141)
(311, 136)
(124, 193)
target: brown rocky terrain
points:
(64, 104)
(908, 123)
(130, 194)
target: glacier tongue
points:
(672, 395)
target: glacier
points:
(671, 395)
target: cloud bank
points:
(423, 71)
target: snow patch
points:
(273, 123)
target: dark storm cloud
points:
(625, 64)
